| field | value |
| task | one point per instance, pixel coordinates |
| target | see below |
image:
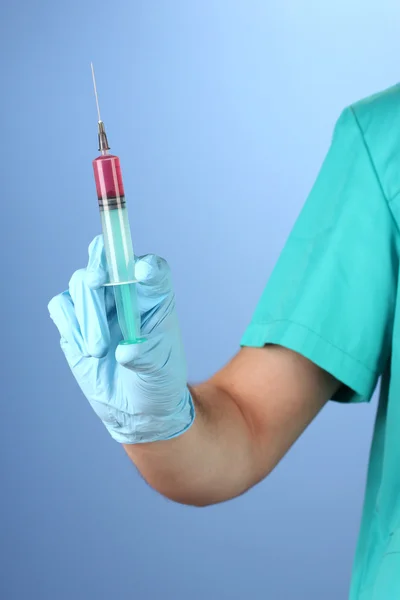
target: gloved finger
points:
(154, 276)
(91, 313)
(96, 271)
(62, 312)
(70, 353)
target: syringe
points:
(117, 235)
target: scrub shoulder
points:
(378, 117)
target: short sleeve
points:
(331, 295)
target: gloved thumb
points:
(139, 357)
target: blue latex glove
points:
(138, 391)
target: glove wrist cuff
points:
(157, 428)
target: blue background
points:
(222, 113)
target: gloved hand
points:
(139, 391)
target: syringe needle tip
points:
(95, 91)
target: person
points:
(326, 328)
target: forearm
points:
(215, 460)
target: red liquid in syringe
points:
(108, 179)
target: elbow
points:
(190, 498)
(204, 498)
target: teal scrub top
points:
(333, 297)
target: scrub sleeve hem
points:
(355, 375)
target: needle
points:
(95, 92)
(103, 143)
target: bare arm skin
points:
(248, 416)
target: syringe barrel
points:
(117, 242)
(114, 218)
